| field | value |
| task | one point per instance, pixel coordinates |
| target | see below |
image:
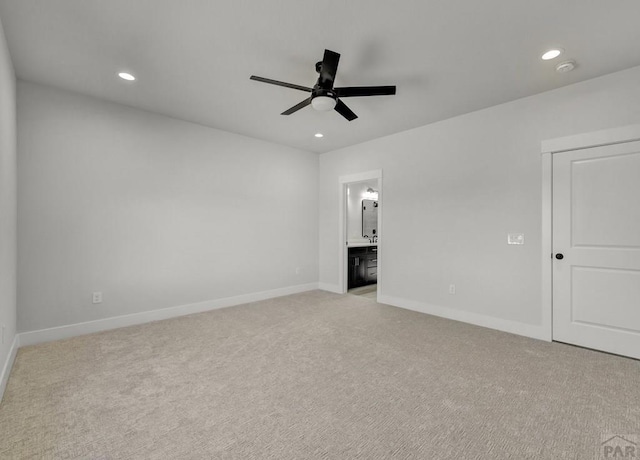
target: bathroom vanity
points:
(363, 265)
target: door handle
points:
(559, 256)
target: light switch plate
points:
(515, 238)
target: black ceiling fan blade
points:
(345, 111)
(328, 69)
(280, 83)
(357, 91)
(297, 107)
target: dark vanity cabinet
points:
(357, 264)
(372, 265)
(363, 266)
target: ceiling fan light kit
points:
(323, 103)
(324, 96)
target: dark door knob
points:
(559, 256)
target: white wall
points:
(354, 208)
(151, 211)
(7, 207)
(454, 189)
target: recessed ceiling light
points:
(319, 135)
(551, 54)
(126, 76)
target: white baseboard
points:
(329, 287)
(513, 327)
(73, 330)
(8, 364)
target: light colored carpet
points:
(314, 376)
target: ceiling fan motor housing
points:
(323, 92)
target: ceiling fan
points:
(323, 95)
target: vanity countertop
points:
(360, 244)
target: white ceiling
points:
(193, 58)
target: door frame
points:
(343, 182)
(630, 133)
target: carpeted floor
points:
(314, 376)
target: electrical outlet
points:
(298, 270)
(452, 289)
(97, 297)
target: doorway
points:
(360, 226)
(594, 266)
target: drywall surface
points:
(7, 207)
(151, 211)
(453, 190)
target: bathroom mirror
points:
(369, 218)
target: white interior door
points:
(596, 228)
